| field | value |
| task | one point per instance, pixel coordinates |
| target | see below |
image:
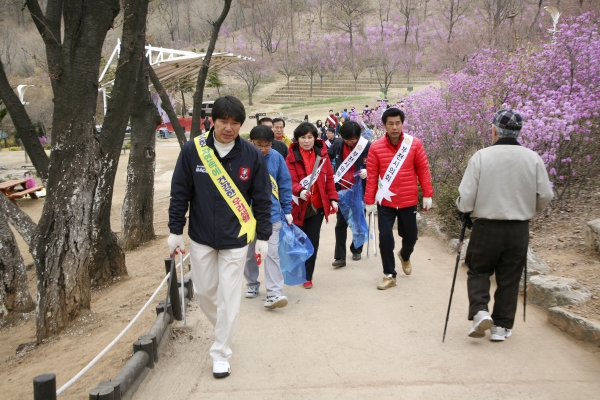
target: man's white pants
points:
(273, 275)
(217, 279)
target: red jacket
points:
(404, 184)
(324, 183)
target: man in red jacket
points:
(394, 164)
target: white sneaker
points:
(482, 321)
(221, 369)
(276, 302)
(251, 293)
(499, 334)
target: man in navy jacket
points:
(217, 218)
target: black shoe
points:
(356, 256)
(339, 263)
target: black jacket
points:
(281, 148)
(337, 158)
(212, 222)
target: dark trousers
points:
(312, 228)
(341, 233)
(498, 247)
(407, 229)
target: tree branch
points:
(166, 105)
(18, 218)
(24, 126)
(203, 73)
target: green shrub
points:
(47, 147)
(445, 207)
(128, 145)
(14, 148)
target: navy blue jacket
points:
(337, 158)
(212, 223)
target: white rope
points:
(107, 348)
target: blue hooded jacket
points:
(278, 169)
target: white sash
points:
(351, 159)
(392, 170)
(327, 143)
(305, 182)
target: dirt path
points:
(346, 339)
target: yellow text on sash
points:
(274, 187)
(227, 188)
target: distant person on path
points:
(217, 177)
(277, 145)
(281, 197)
(206, 124)
(333, 120)
(502, 189)
(395, 164)
(330, 138)
(313, 191)
(321, 129)
(345, 113)
(349, 156)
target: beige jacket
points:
(504, 182)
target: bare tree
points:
(137, 215)
(383, 11)
(348, 15)
(409, 9)
(495, 13)
(268, 24)
(251, 72)
(287, 65)
(453, 11)
(74, 245)
(203, 73)
(169, 13)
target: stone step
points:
(339, 86)
(362, 80)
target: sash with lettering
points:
(392, 170)
(227, 188)
(274, 187)
(351, 159)
(304, 182)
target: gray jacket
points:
(505, 182)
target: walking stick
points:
(182, 293)
(525, 292)
(460, 243)
(171, 273)
(374, 235)
(369, 236)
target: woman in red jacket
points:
(311, 202)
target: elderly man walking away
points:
(217, 177)
(394, 164)
(503, 187)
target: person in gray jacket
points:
(502, 189)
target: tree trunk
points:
(249, 95)
(14, 289)
(75, 246)
(137, 217)
(19, 219)
(203, 73)
(166, 105)
(21, 120)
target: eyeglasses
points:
(267, 146)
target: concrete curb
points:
(578, 327)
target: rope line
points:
(107, 348)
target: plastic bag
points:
(352, 206)
(294, 249)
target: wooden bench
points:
(20, 194)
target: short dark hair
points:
(350, 130)
(263, 120)
(392, 112)
(262, 132)
(229, 107)
(330, 110)
(304, 129)
(330, 129)
(275, 120)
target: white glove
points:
(303, 194)
(426, 203)
(363, 174)
(174, 242)
(289, 218)
(261, 248)
(371, 208)
(334, 206)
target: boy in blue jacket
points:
(281, 197)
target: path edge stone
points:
(578, 327)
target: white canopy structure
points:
(172, 65)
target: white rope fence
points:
(107, 348)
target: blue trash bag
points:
(294, 249)
(352, 206)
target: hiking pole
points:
(182, 290)
(374, 234)
(525, 291)
(369, 236)
(460, 243)
(168, 288)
